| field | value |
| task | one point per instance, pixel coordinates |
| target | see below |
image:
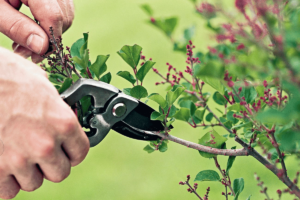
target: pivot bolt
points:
(119, 110)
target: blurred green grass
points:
(118, 168)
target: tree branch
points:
(225, 152)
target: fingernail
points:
(16, 48)
(35, 43)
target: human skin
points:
(40, 133)
(31, 39)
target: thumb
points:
(22, 30)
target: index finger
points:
(48, 13)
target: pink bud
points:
(230, 83)
(241, 46)
(265, 83)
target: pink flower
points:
(241, 4)
(241, 46)
(265, 83)
(230, 83)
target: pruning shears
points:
(112, 109)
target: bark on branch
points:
(224, 152)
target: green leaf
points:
(207, 175)
(144, 70)
(230, 117)
(182, 114)
(79, 62)
(65, 85)
(230, 162)
(219, 99)
(214, 83)
(147, 9)
(75, 49)
(249, 197)
(131, 54)
(163, 147)
(274, 116)
(86, 102)
(238, 187)
(212, 69)
(149, 149)
(99, 66)
(127, 91)
(170, 122)
(189, 33)
(236, 107)
(85, 45)
(172, 111)
(211, 139)
(188, 104)
(158, 99)
(209, 117)
(289, 140)
(126, 75)
(249, 92)
(157, 116)
(106, 78)
(139, 92)
(199, 114)
(166, 25)
(82, 61)
(173, 94)
(56, 78)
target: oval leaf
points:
(207, 175)
(158, 99)
(99, 66)
(163, 147)
(209, 117)
(138, 92)
(106, 78)
(144, 70)
(219, 99)
(238, 186)
(65, 85)
(182, 114)
(211, 139)
(131, 54)
(157, 116)
(126, 75)
(230, 162)
(149, 149)
(174, 94)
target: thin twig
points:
(193, 190)
(224, 176)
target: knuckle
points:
(46, 148)
(18, 161)
(56, 17)
(81, 156)
(33, 186)
(10, 195)
(9, 192)
(61, 176)
(69, 124)
(15, 28)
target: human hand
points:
(41, 135)
(31, 39)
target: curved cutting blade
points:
(140, 118)
(128, 131)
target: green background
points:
(118, 168)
